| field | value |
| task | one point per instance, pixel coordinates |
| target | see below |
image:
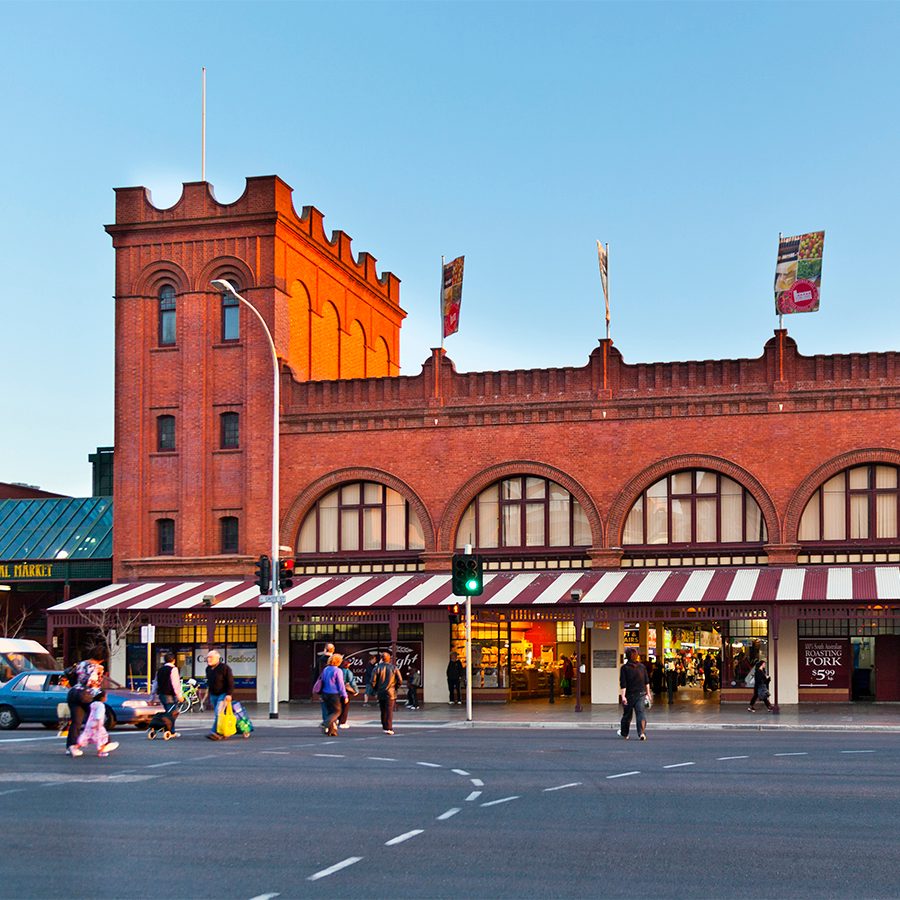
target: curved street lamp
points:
(275, 598)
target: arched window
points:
(695, 507)
(228, 534)
(858, 504)
(229, 431)
(361, 517)
(165, 433)
(524, 512)
(165, 537)
(166, 315)
(231, 314)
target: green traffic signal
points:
(467, 577)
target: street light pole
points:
(276, 598)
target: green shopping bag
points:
(226, 723)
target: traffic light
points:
(285, 574)
(467, 575)
(454, 615)
(263, 574)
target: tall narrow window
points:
(165, 433)
(229, 431)
(165, 537)
(229, 534)
(231, 315)
(166, 315)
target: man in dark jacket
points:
(454, 679)
(634, 690)
(220, 685)
(386, 680)
(168, 683)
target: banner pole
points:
(606, 295)
(441, 301)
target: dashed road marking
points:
(622, 775)
(501, 800)
(473, 796)
(330, 755)
(477, 782)
(265, 897)
(13, 791)
(449, 814)
(857, 751)
(459, 772)
(562, 787)
(430, 765)
(280, 752)
(791, 754)
(678, 765)
(403, 837)
(382, 758)
(349, 861)
(720, 758)
(173, 762)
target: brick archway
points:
(629, 494)
(816, 478)
(475, 485)
(225, 267)
(303, 503)
(163, 271)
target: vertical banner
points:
(798, 273)
(451, 295)
(603, 259)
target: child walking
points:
(95, 728)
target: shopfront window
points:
(746, 641)
(490, 652)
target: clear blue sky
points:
(686, 135)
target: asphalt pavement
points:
(442, 809)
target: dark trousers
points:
(386, 704)
(412, 697)
(345, 710)
(78, 712)
(634, 705)
(168, 702)
(333, 710)
(765, 700)
(455, 692)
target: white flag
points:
(604, 275)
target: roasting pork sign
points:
(824, 663)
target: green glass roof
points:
(42, 529)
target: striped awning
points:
(865, 584)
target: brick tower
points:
(193, 374)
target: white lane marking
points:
(502, 800)
(349, 861)
(562, 787)
(265, 897)
(13, 791)
(791, 754)
(173, 762)
(403, 837)
(678, 765)
(477, 782)
(474, 795)
(44, 778)
(459, 772)
(622, 775)
(276, 753)
(26, 740)
(330, 755)
(430, 765)
(720, 758)
(198, 758)
(449, 814)
(857, 751)
(382, 758)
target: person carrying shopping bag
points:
(220, 687)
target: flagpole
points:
(441, 301)
(203, 125)
(776, 272)
(606, 294)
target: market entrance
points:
(683, 659)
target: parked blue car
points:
(33, 697)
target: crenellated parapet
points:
(265, 205)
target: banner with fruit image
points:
(798, 273)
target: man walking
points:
(634, 692)
(385, 682)
(168, 683)
(220, 686)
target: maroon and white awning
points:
(865, 584)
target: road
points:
(450, 812)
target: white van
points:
(18, 656)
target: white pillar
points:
(606, 650)
(263, 668)
(117, 667)
(788, 674)
(436, 654)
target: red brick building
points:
(723, 508)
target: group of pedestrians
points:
(336, 683)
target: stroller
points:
(163, 723)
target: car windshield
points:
(11, 664)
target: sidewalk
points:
(884, 717)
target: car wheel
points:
(8, 718)
(110, 720)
